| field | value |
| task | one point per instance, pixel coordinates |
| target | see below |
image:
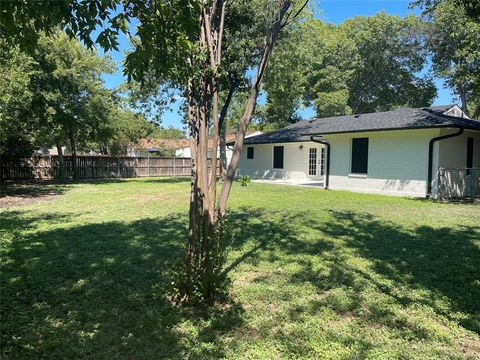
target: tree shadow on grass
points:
(443, 261)
(31, 190)
(368, 271)
(100, 290)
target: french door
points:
(316, 162)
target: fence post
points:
(1, 174)
(472, 185)
(174, 165)
(148, 166)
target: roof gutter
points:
(430, 156)
(327, 171)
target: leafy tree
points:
(122, 132)
(365, 64)
(391, 52)
(23, 22)
(167, 133)
(312, 65)
(16, 97)
(199, 73)
(453, 40)
(69, 91)
(471, 7)
(55, 96)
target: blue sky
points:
(334, 11)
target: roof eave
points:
(393, 128)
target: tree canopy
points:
(454, 42)
(363, 65)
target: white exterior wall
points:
(183, 152)
(295, 161)
(453, 151)
(452, 156)
(397, 162)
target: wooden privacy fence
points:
(44, 167)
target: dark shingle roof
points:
(404, 118)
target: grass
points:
(315, 274)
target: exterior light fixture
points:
(300, 147)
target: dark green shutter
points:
(278, 157)
(250, 152)
(360, 156)
(469, 153)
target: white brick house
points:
(396, 152)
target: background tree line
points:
(374, 63)
(56, 97)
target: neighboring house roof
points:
(230, 139)
(162, 143)
(400, 119)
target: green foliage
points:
(22, 22)
(453, 40)
(168, 133)
(71, 101)
(16, 98)
(391, 52)
(471, 7)
(126, 129)
(58, 94)
(365, 64)
(245, 180)
(315, 274)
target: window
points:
(359, 156)
(250, 152)
(278, 157)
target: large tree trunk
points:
(199, 266)
(61, 162)
(476, 113)
(73, 147)
(463, 99)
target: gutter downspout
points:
(430, 156)
(327, 170)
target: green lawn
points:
(315, 274)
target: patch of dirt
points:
(470, 347)
(28, 193)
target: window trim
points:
(359, 174)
